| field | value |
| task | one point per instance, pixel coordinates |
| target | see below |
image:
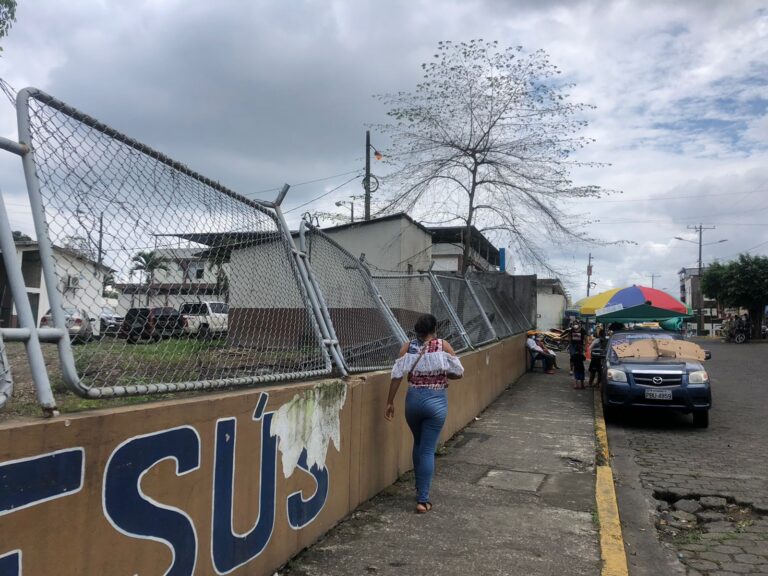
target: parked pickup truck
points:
(205, 319)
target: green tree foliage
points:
(19, 236)
(740, 283)
(149, 262)
(487, 139)
(7, 17)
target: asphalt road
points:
(660, 459)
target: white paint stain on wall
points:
(309, 421)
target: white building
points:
(191, 274)
(448, 250)
(80, 283)
(394, 243)
(551, 302)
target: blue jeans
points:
(425, 411)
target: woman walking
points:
(428, 362)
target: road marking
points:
(611, 539)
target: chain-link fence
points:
(365, 328)
(410, 296)
(162, 276)
(153, 278)
(513, 296)
(467, 308)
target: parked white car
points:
(205, 319)
(79, 325)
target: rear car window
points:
(219, 308)
(194, 308)
(137, 313)
(165, 311)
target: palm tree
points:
(149, 262)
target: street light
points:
(700, 229)
(351, 205)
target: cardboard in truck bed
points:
(665, 348)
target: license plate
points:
(658, 394)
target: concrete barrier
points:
(231, 483)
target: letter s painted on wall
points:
(135, 514)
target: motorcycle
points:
(738, 335)
(552, 339)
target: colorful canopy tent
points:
(632, 304)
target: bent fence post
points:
(6, 378)
(344, 283)
(479, 304)
(338, 356)
(23, 310)
(66, 359)
(310, 289)
(453, 314)
(388, 314)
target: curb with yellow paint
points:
(611, 539)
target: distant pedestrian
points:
(428, 363)
(596, 352)
(577, 338)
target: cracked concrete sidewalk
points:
(513, 494)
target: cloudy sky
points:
(257, 93)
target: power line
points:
(356, 176)
(276, 189)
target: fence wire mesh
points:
(492, 310)
(495, 285)
(165, 277)
(411, 296)
(467, 309)
(361, 322)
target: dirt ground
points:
(23, 404)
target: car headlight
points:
(698, 377)
(617, 375)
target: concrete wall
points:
(220, 483)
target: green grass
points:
(687, 537)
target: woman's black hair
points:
(425, 325)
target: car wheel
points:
(701, 419)
(610, 413)
(740, 338)
(204, 332)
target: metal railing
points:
(158, 279)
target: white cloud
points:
(255, 94)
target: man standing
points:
(577, 339)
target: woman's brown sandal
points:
(423, 507)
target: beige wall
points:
(171, 449)
(388, 245)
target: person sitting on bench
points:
(537, 352)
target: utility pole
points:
(653, 277)
(367, 179)
(700, 323)
(589, 273)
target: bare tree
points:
(487, 139)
